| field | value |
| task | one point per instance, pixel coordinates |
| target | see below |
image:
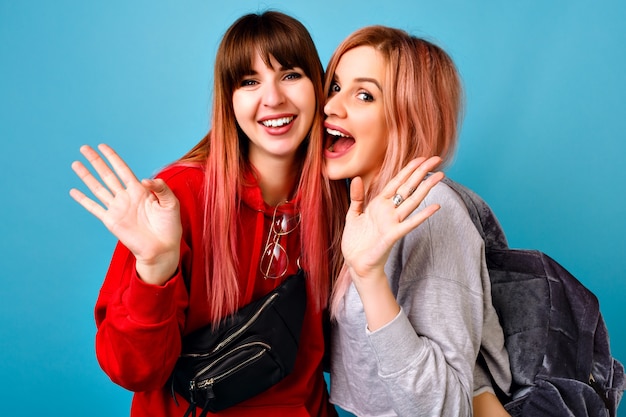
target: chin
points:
(337, 171)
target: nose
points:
(334, 106)
(272, 94)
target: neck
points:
(277, 181)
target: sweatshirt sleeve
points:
(426, 355)
(139, 325)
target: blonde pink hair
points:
(223, 152)
(422, 96)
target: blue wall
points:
(542, 142)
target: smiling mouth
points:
(280, 122)
(338, 141)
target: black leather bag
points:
(252, 350)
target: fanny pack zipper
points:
(207, 384)
(235, 334)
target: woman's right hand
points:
(144, 215)
(371, 231)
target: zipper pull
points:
(192, 392)
(192, 401)
(209, 389)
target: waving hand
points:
(144, 215)
(371, 231)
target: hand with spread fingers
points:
(370, 233)
(144, 215)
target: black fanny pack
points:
(251, 350)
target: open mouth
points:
(337, 141)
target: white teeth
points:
(336, 133)
(277, 122)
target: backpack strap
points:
(481, 214)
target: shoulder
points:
(186, 182)
(445, 237)
(447, 246)
(445, 196)
(453, 213)
(181, 172)
(181, 177)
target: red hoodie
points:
(140, 325)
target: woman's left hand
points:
(371, 231)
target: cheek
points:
(378, 139)
(237, 105)
(306, 98)
(241, 108)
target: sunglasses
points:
(274, 261)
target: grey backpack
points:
(555, 335)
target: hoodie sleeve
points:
(139, 325)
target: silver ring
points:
(397, 199)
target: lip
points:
(279, 130)
(338, 128)
(332, 154)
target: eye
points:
(247, 82)
(293, 75)
(365, 96)
(334, 88)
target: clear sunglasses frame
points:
(274, 260)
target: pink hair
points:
(423, 96)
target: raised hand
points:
(371, 231)
(144, 215)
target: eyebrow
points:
(369, 80)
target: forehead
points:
(361, 62)
(260, 62)
(249, 60)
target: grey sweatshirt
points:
(422, 362)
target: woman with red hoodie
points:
(191, 241)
